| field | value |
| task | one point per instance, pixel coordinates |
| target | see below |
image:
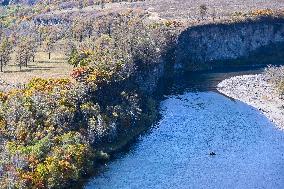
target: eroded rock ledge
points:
(215, 42)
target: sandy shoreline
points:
(255, 90)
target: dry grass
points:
(184, 10)
(190, 9)
(56, 67)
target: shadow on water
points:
(202, 81)
(207, 80)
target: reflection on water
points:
(206, 80)
(247, 151)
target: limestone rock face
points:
(226, 41)
(210, 43)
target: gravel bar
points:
(255, 90)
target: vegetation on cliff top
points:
(49, 126)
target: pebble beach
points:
(256, 91)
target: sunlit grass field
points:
(56, 67)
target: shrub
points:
(262, 12)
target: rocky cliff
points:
(208, 43)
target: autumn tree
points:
(23, 53)
(32, 48)
(48, 35)
(68, 46)
(5, 52)
(82, 28)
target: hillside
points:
(174, 9)
(81, 79)
(190, 9)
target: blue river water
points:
(203, 140)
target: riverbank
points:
(257, 91)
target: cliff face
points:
(206, 44)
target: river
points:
(203, 140)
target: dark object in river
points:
(212, 154)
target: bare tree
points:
(48, 46)
(22, 52)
